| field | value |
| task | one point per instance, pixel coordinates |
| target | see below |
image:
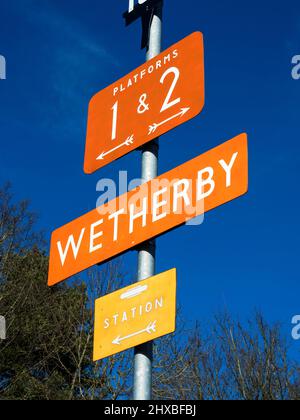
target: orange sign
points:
(135, 315)
(206, 182)
(158, 96)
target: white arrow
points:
(127, 142)
(150, 329)
(154, 126)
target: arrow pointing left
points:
(128, 142)
(151, 328)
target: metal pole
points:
(142, 389)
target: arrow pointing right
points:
(154, 126)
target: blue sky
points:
(59, 53)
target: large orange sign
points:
(158, 96)
(135, 315)
(206, 182)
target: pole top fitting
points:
(146, 12)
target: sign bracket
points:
(146, 13)
(146, 25)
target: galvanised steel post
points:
(143, 357)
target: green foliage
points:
(44, 327)
(48, 351)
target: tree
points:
(231, 362)
(48, 351)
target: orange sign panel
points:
(135, 315)
(158, 96)
(206, 182)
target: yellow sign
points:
(135, 315)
